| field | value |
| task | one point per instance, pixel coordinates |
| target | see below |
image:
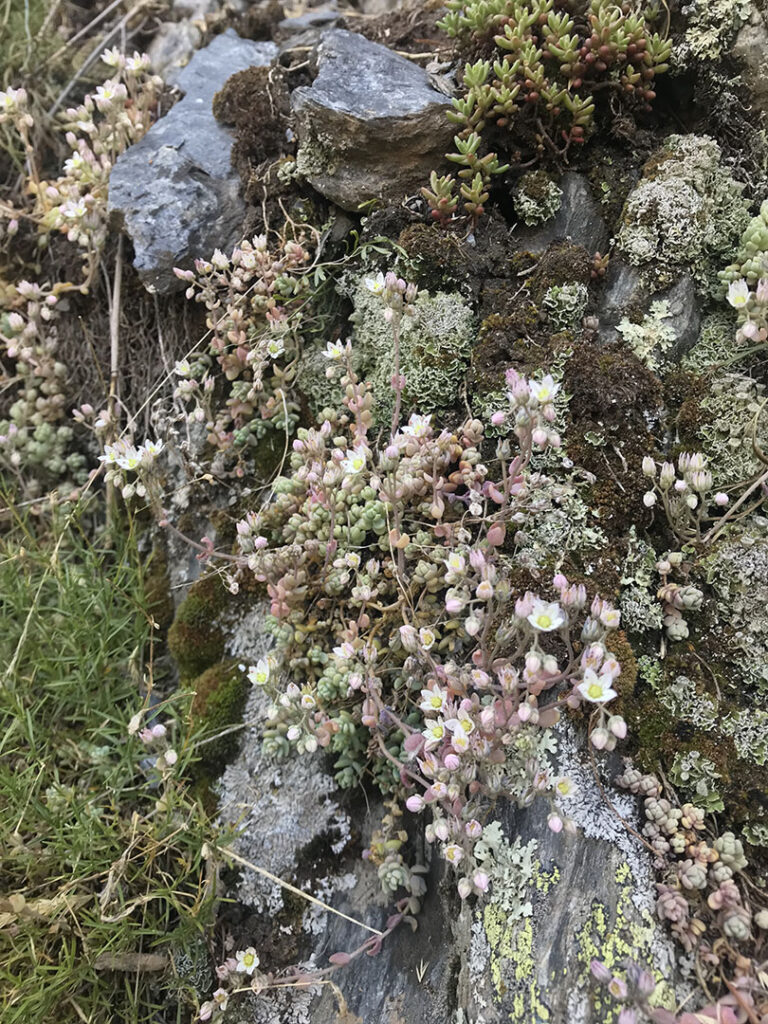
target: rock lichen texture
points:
(371, 125)
(175, 191)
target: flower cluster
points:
(109, 120)
(685, 493)
(401, 645)
(752, 308)
(122, 458)
(252, 297)
(35, 439)
(232, 974)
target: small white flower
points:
(418, 426)
(649, 499)
(355, 461)
(738, 293)
(259, 673)
(455, 563)
(275, 348)
(344, 651)
(352, 560)
(427, 639)
(247, 960)
(334, 350)
(544, 390)
(375, 284)
(129, 458)
(182, 368)
(434, 733)
(459, 735)
(150, 449)
(308, 701)
(433, 700)
(112, 57)
(453, 853)
(595, 688)
(546, 617)
(565, 787)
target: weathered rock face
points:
(175, 190)
(579, 219)
(522, 953)
(750, 46)
(371, 125)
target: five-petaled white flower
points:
(455, 563)
(596, 688)
(418, 426)
(344, 651)
(182, 368)
(453, 853)
(275, 348)
(427, 639)
(434, 733)
(258, 674)
(334, 350)
(247, 960)
(433, 699)
(545, 389)
(150, 450)
(375, 284)
(355, 461)
(546, 617)
(738, 293)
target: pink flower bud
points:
(452, 762)
(415, 803)
(539, 437)
(599, 738)
(555, 823)
(559, 581)
(481, 881)
(464, 887)
(498, 418)
(721, 498)
(617, 726)
(600, 972)
(496, 534)
(441, 830)
(524, 712)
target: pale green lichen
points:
(615, 937)
(565, 305)
(697, 776)
(685, 700)
(651, 339)
(435, 346)
(733, 424)
(712, 26)
(749, 730)
(536, 198)
(715, 344)
(686, 214)
(640, 608)
(737, 570)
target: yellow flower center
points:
(595, 690)
(544, 621)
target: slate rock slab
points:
(579, 218)
(371, 125)
(175, 192)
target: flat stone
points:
(371, 126)
(175, 192)
(750, 47)
(579, 219)
(318, 17)
(173, 46)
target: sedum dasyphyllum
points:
(401, 643)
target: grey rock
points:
(579, 218)
(489, 959)
(175, 192)
(750, 47)
(626, 291)
(172, 47)
(195, 8)
(370, 126)
(316, 18)
(685, 319)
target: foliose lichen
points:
(651, 339)
(733, 425)
(536, 198)
(686, 213)
(565, 305)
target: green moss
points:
(195, 639)
(157, 589)
(219, 701)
